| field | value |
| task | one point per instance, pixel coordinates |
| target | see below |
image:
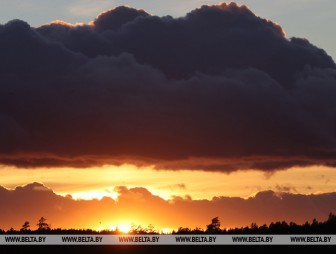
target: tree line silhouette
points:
(280, 227)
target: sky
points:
(311, 19)
(111, 111)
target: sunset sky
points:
(121, 113)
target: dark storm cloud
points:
(34, 200)
(219, 89)
(114, 19)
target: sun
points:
(167, 230)
(124, 228)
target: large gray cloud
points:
(219, 89)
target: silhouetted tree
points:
(198, 230)
(331, 217)
(150, 229)
(25, 227)
(182, 230)
(214, 226)
(254, 226)
(136, 229)
(42, 225)
(11, 230)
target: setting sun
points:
(124, 228)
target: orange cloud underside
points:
(98, 182)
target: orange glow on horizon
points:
(122, 228)
(164, 199)
(96, 183)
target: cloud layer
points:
(218, 89)
(139, 206)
